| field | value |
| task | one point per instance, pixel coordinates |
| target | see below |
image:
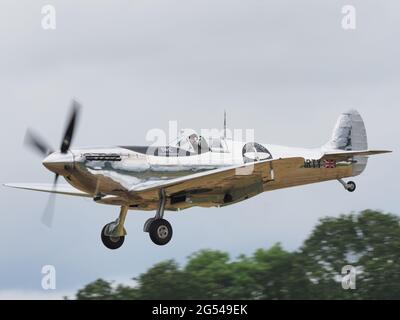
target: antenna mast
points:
(225, 124)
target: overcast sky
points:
(286, 69)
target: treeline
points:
(369, 241)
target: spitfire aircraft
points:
(193, 171)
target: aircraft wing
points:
(48, 187)
(223, 178)
(346, 155)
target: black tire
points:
(160, 232)
(111, 242)
(147, 224)
(351, 186)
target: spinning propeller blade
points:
(37, 144)
(69, 132)
(40, 146)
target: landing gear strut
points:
(349, 186)
(159, 229)
(113, 233)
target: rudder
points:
(350, 134)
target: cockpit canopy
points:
(190, 141)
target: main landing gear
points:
(113, 233)
(349, 186)
(159, 229)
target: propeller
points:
(39, 145)
(69, 132)
(48, 213)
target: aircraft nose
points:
(58, 162)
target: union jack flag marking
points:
(329, 164)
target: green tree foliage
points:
(163, 281)
(100, 289)
(369, 241)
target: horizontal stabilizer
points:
(345, 155)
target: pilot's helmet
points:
(193, 138)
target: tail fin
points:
(350, 134)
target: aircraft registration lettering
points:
(318, 163)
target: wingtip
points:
(379, 151)
(11, 185)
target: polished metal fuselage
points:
(110, 174)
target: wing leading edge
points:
(65, 189)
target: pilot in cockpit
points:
(190, 140)
(194, 141)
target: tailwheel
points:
(160, 232)
(351, 186)
(111, 242)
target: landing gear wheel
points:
(111, 242)
(350, 186)
(160, 232)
